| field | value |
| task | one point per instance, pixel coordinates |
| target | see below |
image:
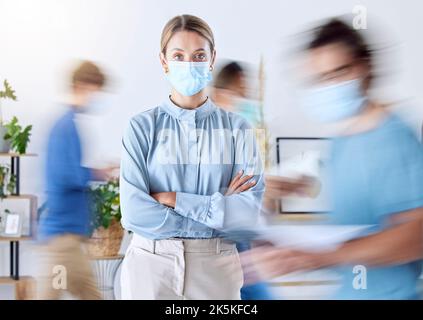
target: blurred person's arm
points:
(104, 174)
(399, 244)
(278, 187)
(397, 202)
(141, 213)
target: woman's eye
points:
(200, 57)
(178, 57)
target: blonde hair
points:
(186, 22)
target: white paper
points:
(313, 237)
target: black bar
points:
(18, 176)
(14, 245)
(278, 160)
(11, 259)
(14, 260)
(15, 170)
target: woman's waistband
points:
(212, 245)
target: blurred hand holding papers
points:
(312, 237)
(302, 164)
(302, 161)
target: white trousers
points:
(181, 269)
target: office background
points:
(40, 39)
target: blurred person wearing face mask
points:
(376, 175)
(65, 225)
(188, 176)
(230, 92)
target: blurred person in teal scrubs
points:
(376, 176)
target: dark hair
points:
(336, 31)
(228, 75)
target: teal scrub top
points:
(375, 175)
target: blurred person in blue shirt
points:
(65, 223)
(376, 176)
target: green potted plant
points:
(18, 136)
(7, 181)
(12, 135)
(107, 232)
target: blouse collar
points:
(179, 113)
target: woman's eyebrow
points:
(201, 49)
(177, 49)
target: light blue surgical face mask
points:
(189, 78)
(98, 103)
(335, 102)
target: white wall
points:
(39, 38)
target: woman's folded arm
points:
(141, 213)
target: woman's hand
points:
(240, 184)
(166, 198)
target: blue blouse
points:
(195, 153)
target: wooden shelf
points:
(33, 214)
(22, 287)
(119, 256)
(9, 280)
(14, 154)
(23, 238)
(21, 196)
